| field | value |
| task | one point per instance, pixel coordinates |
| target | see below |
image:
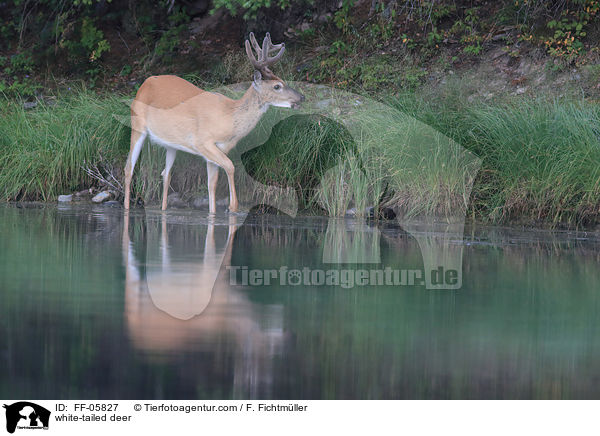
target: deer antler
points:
(264, 60)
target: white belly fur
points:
(158, 141)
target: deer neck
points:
(248, 111)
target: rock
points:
(223, 202)
(304, 67)
(206, 23)
(521, 90)
(65, 198)
(50, 101)
(323, 103)
(174, 200)
(86, 193)
(31, 205)
(200, 202)
(29, 104)
(351, 212)
(500, 36)
(112, 203)
(198, 7)
(102, 197)
(385, 213)
(324, 18)
(264, 209)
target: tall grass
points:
(44, 150)
(540, 157)
(299, 152)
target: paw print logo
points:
(294, 277)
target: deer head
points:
(272, 89)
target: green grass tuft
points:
(45, 149)
(540, 157)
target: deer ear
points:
(257, 79)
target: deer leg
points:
(212, 172)
(209, 242)
(164, 240)
(215, 155)
(233, 202)
(170, 158)
(137, 140)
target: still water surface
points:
(96, 306)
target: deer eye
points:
(277, 87)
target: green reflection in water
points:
(78, 319)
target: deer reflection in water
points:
(182, 301)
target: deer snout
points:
(299, 99)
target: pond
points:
(95, 304)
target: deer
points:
(179, 116)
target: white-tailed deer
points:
(180, 116)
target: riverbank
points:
(540, 156)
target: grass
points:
(540, 158)
(299, 152)
(45, 150)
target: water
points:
(93, 306)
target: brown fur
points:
(184, 117)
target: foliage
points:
(80, 37)
(70, 37)
(342, 17)
(570, 28)
(249, 7)
(18, 68)
(90, 44)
